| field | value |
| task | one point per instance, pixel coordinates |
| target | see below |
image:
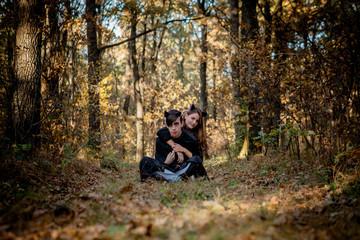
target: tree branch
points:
(147, 31)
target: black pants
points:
(150, 167)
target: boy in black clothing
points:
(172, 164)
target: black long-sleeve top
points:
(164, 135)
(186, 140)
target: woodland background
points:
(86, 82)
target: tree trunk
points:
(268, 19)
(235, 69)
(249, 23)
(93, 75)
(125, 103)
(27, 70)
(52, 50)
(248, 32)
(203, 60)
(10, 133)
(214, 87)
(54, 45)
(137, 90)
(203, 64)
(280, 57)
(72, 81)
(267, 115)
(154, 83)
(203, 67)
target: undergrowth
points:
(259, 197)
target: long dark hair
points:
(199, 130)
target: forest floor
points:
(244, 199)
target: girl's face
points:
(192, 120)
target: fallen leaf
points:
(126, 188)
(141, 230)
(39, 212)
(213, 206)
(280, 220)
(178, 223)
(274, 200)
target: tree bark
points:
(203, 63)
(280, 57)
(26, 101)
(214, 105)
(10, 133)
(203, 60)
(248, 32)
(93, 75)
(72, 81)
(235, 68)
(248, 20)
(137, 88)
(52, 49)
(125, 103)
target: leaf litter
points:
(239, 202)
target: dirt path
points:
(243, 200)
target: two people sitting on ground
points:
(178, 155)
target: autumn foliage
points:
(84, 85)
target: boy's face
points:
(175, 128)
